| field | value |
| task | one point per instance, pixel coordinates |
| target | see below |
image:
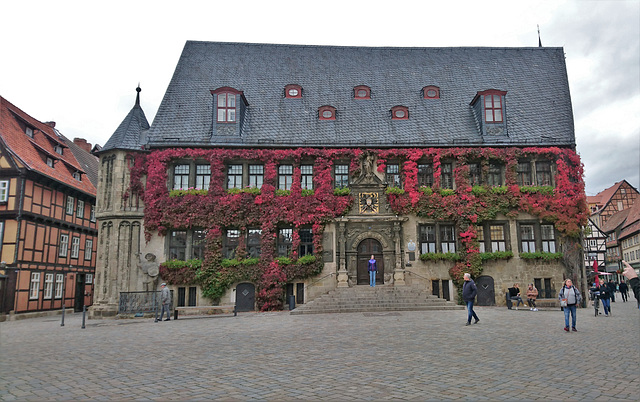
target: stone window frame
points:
(437, 241)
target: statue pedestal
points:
(343, 279)
(398, 277)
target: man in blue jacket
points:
(469, 292)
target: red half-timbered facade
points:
(48, 228)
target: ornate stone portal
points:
(370, 223)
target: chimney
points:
(51, 124)
(82, 143)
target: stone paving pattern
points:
(421, 355)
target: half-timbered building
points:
(276, 170)
(609, 201)
(48, 234)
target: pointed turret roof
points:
(131, 134)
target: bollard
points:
(292, 302)
(84, 310)
(235, 310)
(62, 323)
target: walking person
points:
(532, 294)
(634, 282)
(373, 270)
(612, 290)
(469, 292)
(165, 298)
(624, 289)
(605, 298)
(569, 297)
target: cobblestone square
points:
(426, 355)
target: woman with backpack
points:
(569, 297)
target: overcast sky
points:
(78, 62)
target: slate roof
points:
(538, 103)
(130, 134)
(32, 152)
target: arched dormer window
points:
(399, 113)
(492, 105)
(226, 101)
(293, 91)
(431, 92)
(362, 92)
(326, 113)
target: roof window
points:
(28, 131)
(327, 112)
(399, 113)
(77, 176)
(431, 92)
(293, 91)
(58, 149)
(362, 92)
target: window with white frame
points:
(92, 213)
(234, 176)
(427, 239)
(285, 177)
(178, 245)
(306, 177)
(285, 241)
(306, 242)
(393, 175)
(543, 173)
(480, 238)
(425, 174)
(446, 175)
(256, 176)
(75, 247)
(34, 286)
(523, 171)
(48, 286)
(88, 249)
(77, 176)
(548, 237)
(527, 239)
(181, 177)
(494, 177)
(89, 279)
(498, 238)
(70, 205)
(59, 279)
(64, 245)
(226, 107)
(203, 177)
(447, 239)
(231, 242)
(341, 176)
(80, 209)
(49, 162)
(4, 190)
(58, 149)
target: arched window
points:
(399, 113)
(362, 92)
(293, 91)
(225, 101)
(326, 113)
(431, 92)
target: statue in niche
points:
(150, 268)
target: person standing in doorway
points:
(569, 297)
(469, 292)
(373, 270)
(165, 298)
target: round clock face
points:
(369, 203)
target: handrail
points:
(416, 274)
(318, 280)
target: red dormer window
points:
(399, 113)
(493, 105)
(225, 100)
(293, 91)
(431, 92)
(327, 113)
(362, 92)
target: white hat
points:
(163, 284)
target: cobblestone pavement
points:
(509, 355)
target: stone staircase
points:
(381, 298)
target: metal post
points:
(84, 310)
(155, 306)
(235, 310)
(62, 323)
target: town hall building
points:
(273, 171)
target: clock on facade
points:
(369, 203)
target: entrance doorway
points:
(245, 297)
(366, 248)
(79, 296)
(486, 292)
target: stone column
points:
(343, 275)
(398, 273)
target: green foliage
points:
(499, 190)
(307, 259)
(248, 190)
(540, 255)
(307, 192)
(342, 191)
(445, 192)
(496, 255)
(226, 263)
(478, 190)
(394, 190)
(426, 190)
(439, 257)
(546, 190)
(283, 193)
(283, 260)
(191, 191)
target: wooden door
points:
(366, 248)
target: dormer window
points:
(327, 113)
(58, 149)
(400, 113)
(77, 176)
(28, 131)
(362, 92)
(226, 107)
(293, 91)
(49, 162)
(431, 92)
(492, 108)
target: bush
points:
(496, 255)
(341, 191)
(191, 191)
(439, 257)
(426, 190)
(540, 255)
(547, 190)
(445, 192)
(394, 190)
